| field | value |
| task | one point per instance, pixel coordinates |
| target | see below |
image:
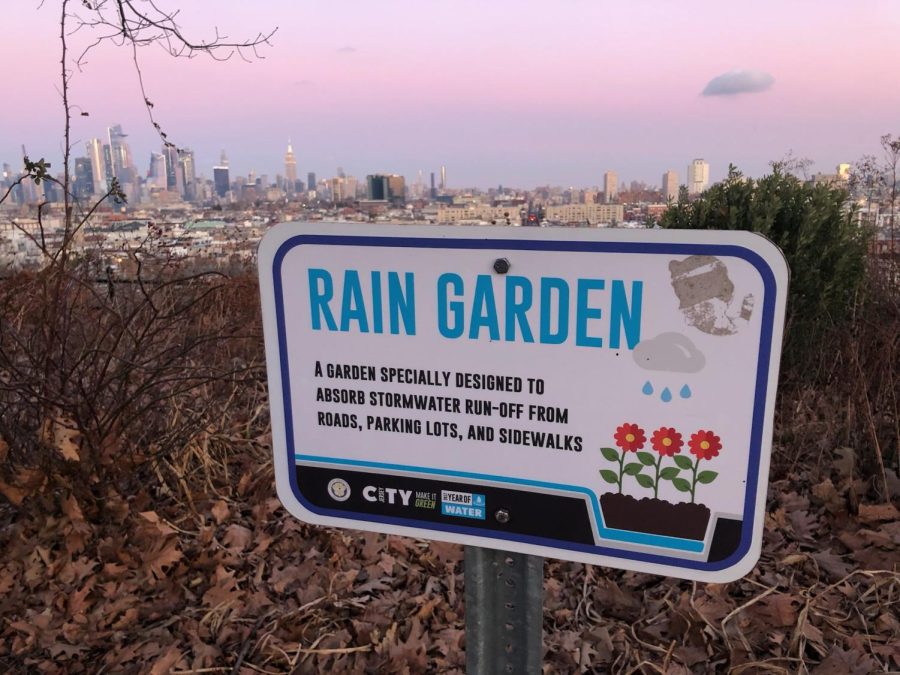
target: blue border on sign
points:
(759, 400)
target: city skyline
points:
(174, 168)
(524, 97)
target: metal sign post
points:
(504, 612)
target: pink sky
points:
(519, 93)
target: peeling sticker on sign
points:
(706, 295)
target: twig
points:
(245, 647)
(738, 610)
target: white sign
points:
(598, 395)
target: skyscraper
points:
(610, 186)
(670, 185)
(188, 171)
(397, 188)
(443, 177)
(698, 176)
(108, 172)
(221, 178)
(378, 188)
(120, 154)
(84, 179)
(311, 181)
(94, 149)
(290, 169)
(174, 177)
(156, 177)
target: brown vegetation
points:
(141, 533)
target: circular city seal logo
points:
(339, 489)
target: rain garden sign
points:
(598, 395)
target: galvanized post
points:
(504, 612)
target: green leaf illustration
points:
(681, 484)
(644, 480)
(610, 454)
(646, 458)
(610, 476)
(633, 469)
(683, 462)
(707, 476)
(669, 473)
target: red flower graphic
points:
(666, 441)
(705, 444)
(630, 437)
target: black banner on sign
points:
(436, 500)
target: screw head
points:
(502, 516)
(501, 265)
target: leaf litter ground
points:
(221, 580)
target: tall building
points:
(221, 179)
(120, 154)
(377, 188)
(188, 171)
(698, 176)
(397, 188)
(311, 181)
(610, 186)
(174, 175)
(670, 185)
(108, 172)
(443, 177)
(343, 188)
(433, 193)
(94, 149)
(290, 169)
(351, 185)
(156, 177)
(84, 179)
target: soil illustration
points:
(654, 516)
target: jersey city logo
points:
(339, 489)
(386, 495)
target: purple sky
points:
(520, 92)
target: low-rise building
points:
(585, 213)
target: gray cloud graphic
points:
(672, 352)
(738, 82)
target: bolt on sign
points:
(598, 395)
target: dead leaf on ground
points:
(878, 513)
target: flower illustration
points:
(705, 445)
(630, 437)
(666, 441)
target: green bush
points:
(814, 227)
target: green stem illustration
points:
(656, 480)
(694, 479)
(621, 471)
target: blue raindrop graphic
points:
(666, 395)
(648, 388)
(685, 392)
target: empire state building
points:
(290, 169)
